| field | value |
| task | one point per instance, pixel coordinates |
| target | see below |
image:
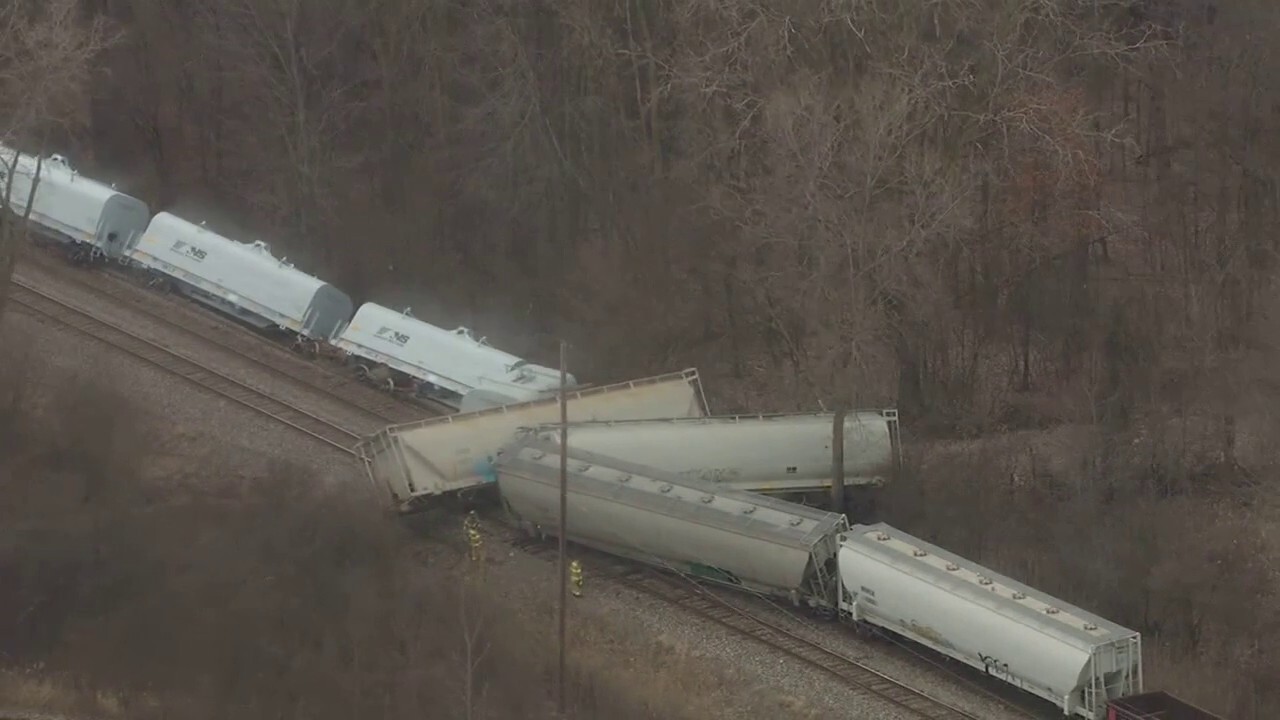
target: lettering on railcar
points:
(182, 247)
(392, 335)
(715, 475)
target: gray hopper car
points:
(687, 525)
(780, 453)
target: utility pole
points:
(837, 460)
(564, 510)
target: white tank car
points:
(1071, 657)
(454, 361)
(71, 208)
(419, 461)
(779, 453)
(242, 280)
(737, 538)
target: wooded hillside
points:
(1051, 217)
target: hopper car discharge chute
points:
(1068, 656)
(90, 218)
(693, 527)
(242, 280)
(417, 462)
(774, 454)
(452, 366)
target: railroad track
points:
(688, 595)
(41, 303)
(683, 592)
(389, 410)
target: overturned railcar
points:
(416, 463)
(780, 454)
(690, 526)
(453, 366)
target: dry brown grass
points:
(1147, 528)
(271, 599)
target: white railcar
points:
(463, 370)
(418, 461)
(724, 535)
(242, 280)
(778, 453)
(1071, 657)
(70, 208)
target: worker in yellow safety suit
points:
(575, 577)
(472, 526)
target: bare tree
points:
(46, 51)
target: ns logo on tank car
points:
(191, 251)
(392, 335)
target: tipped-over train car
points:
(91, 218)
(417, 462)
(781, 453)
(449, 365)
(242, 280)
(1066, 655)
(710, 531)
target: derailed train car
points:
(783, 453)
(453, 366)
(90, 218)
(1068, 656)
(691, 526)
(416, 463)
(242, 280)
(881, 577)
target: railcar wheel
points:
(305, 347)
(78, 256)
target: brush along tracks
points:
(45, 305)
(683, 592)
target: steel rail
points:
(680, 591)
(42, 303)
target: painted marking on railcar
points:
(184, 248)
(994, 664)
(712, 474)
(392, 335)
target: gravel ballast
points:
(649, 643)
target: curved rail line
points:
(64, 313)
(394, 410)
(683, 592)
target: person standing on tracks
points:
(472, 527)
(575, 578)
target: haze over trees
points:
(46, 51)
(1044, 230)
